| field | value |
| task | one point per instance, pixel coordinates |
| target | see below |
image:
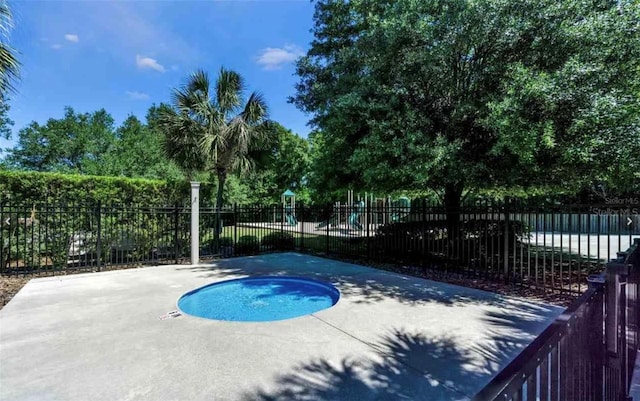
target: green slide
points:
(354, 219)
(289, 217)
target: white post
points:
(195, 222)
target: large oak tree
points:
(457, 95)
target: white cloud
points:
(273, 58)
(148, 62)
(56, 46)
(72, 37)
(134, 95)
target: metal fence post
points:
(423, 256)
(302, 214)
(235, 226)
(615, 322)
(176, 222)
(368, 220)
(99, 239)
(505, 250)
(327, 238)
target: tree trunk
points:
(222, 177)
(452, 204)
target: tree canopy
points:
(456, 95)
(213, 127)
(283, 165)
(77, 143)
(89, 143)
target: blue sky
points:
(125, 55)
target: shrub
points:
(413, 241)
(225, 241)
(247, 245)
(281, 241)
(28, 187)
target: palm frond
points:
(9, 64)
(214, 133)
(265, 136)
(255, 111)
(180, 142)
(242, 164)
(229, 87)
(199, 83)
(6, 18)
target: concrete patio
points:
(99, 336)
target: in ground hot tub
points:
(259, 299)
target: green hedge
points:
(18, 187)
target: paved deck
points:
(98, 336)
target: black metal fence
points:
(554, 246)
(60, 238)
(588, 353)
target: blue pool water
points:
(259, 299)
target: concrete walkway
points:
(98, 336)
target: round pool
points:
(259, 299)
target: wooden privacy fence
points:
(588, 353)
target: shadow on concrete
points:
(404, 365)
(410, 367)
(364, 284)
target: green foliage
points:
(280, 241)
(283, 165)
(33, 187)
(88, 143)
(5, 122)
(18, 243)
(247, 245)
(77, 143)
(455, 96)
(329, 176)
(212, 128)
(9, 64)
(419, 241)
(137, 152)
(226, 241)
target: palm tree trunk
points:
(222, 177)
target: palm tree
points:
(8, 62)
(215, 131)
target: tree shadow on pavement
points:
(404, 366)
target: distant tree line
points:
(91, 144)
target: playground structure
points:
(366, 211)
(290, 209)
(288, 200)
(357, 214)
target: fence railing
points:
(588, 353)
(553, 247)
(54, 238)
